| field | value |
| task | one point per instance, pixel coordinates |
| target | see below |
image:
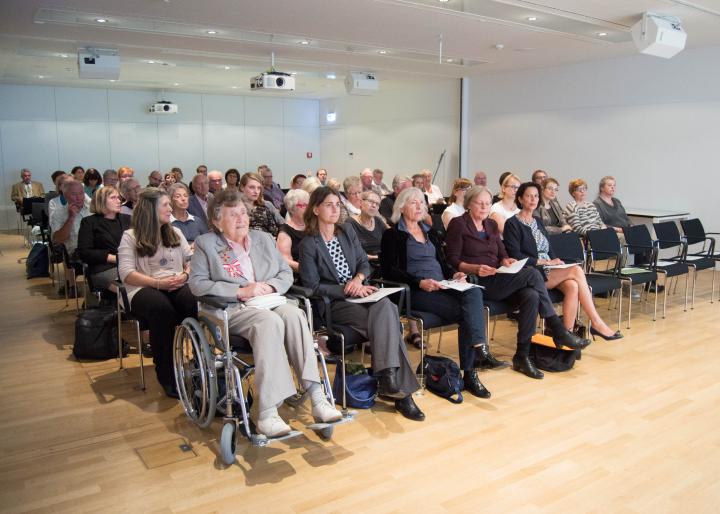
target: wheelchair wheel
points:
(195, 375)
(227, 443)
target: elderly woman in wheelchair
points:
(235, 262)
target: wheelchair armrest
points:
(217, 302)
(299, 291)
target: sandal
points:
(415, 340)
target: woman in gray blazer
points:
(549, 210)
(333, 263)
(234, 261)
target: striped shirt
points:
(583, 217)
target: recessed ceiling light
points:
(449, 60)
(532, 18)
(151, 62)
(101, 20)
(41, 76)
(602, 34)
(226, 67)
(382, 52)
(443, 1)
(39, 22)
(304, 42)
(176, 83)
(331, 76)
(233, 87)
(293, 73)
(64, 56)
(211, 32)
(113, 80)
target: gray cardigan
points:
(208, 277)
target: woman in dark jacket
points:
(333, 264)
(526, 237)
(99, 237)
(474, 246)
(411, 253)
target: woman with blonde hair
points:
(99, 237)
(505, 207)
(549, 210)
(457, 200)
(153, 264)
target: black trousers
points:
(526, 290)
(464, 308)
(162, 311)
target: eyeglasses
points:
(553, 189)
(514, 188)
(372, 202)
(301, 205)
(581, 189)
(356, 193)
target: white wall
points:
(401, 131)
(652, 123)
(50, 128)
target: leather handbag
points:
(360, 389)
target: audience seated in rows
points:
(236, 262)
(581, 215)
(99, 237)
(333, 263)
(505, 207)
(412, 254)
(525, 237)
(191, 226)
(293, 230)
(153, 259)
(474, 246)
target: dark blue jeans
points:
(466, 309)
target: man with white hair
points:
(366, 179)
(66, 211)
(197, 206)
(130, 191)
(399, 183)
(215, 180)
(26, 188)
(272, 192)
(110, 178)
(434, 195)
(480, 178)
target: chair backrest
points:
(567, 247)
(668, 234)
(603, 243)
(694, 231)
(637, 237)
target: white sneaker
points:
(273, 426)
(323, 412)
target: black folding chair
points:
(569, 248)
(637, 238)
(668, 237)
(604, 244)
(695, 234)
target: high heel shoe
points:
(616, 335)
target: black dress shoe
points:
(408, 408)
(567, 338)
(525, 365)
(171, 391)
(486, 360)
(388, 385)
(472, 383)
(616, 335)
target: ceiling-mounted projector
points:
(163, 107)
(273, 81)
(99, 63)
(659, 35)
(361, 83)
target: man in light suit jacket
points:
(26, 188)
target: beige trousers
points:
(276, 337)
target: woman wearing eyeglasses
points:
(582, 215)
(293, 230)
(505, 208)
(457, 201)
(368, 225)
(549, 210)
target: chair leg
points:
(665, 291)
(119, 332)
(492, 335)
(630, 291)
(140, 351)
(422, 357)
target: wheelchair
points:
(211, 377)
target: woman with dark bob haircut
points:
(526, 237)
(92, 181)
(153, 264)
(333, 263)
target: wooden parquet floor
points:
(634, 428)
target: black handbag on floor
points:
(96, 334)
(442, 377)
(553, 359)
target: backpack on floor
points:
(96, 334)
(442, 377)
(36, 264)
(360, 386)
